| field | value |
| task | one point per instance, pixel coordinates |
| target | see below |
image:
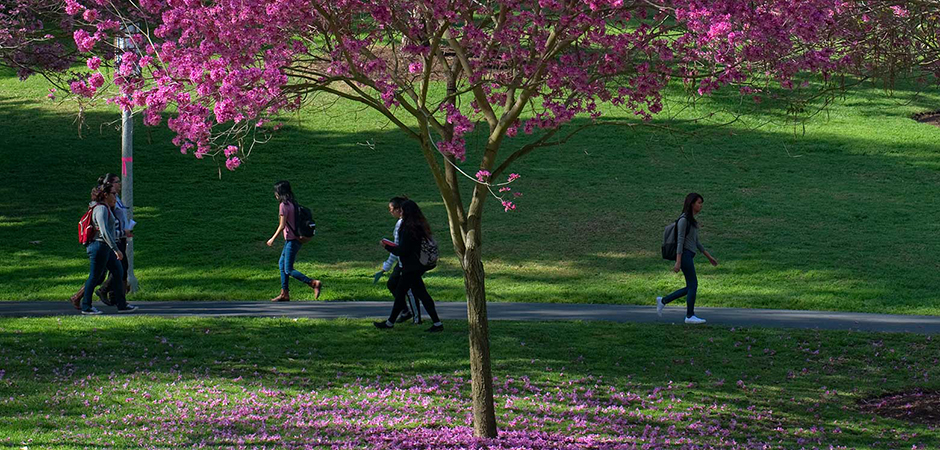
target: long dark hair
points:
(413, 220)
(687, 207)
(283, 192)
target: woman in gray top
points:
(687, 244)
(103, 251)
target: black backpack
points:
(671, 240)
(304, 226)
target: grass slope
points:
(844, 217)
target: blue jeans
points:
(691, 284)
(103, 259)
(286, 264)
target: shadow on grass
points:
(806, 377)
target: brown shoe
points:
(77, 298)
(284, 297)
(317, 286)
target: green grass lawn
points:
(143, 382)
(843, 217)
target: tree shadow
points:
(658, 363)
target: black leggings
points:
(412, 281)
(107, 285)
(411, 306)
(691, 284)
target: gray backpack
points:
(428, 254)
(671, 240)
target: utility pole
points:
(124, 44)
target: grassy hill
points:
(839, 214)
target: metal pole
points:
(127, 188)
(127, 164)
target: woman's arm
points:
(710, 258)
(280, 229)
(681, 227)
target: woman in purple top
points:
(287, 211)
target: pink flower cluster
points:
(231, 66)
(457, 146)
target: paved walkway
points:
(734, 317)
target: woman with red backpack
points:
(287, 225)
(103, 251)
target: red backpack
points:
(86, 225)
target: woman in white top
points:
(412, 310)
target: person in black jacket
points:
(414, 230)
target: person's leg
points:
(691, 282)
(97, 257)
(421, 292)
(405, 283)
(415, 309)
(116, 275)
(392, 284)
(124, 263)
(107, 287)
(393, 279)
(292, 247)
(282, 267)
(675, 295)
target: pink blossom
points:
(482, 175)
(96, 80)
(93, 63)
(232, 163)
(84, 40)
(90, 15)
(82, 89)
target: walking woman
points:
(412, 311)
(123, 231)
(287, 226)
(103, 252)
(687, 244)
(414, 230)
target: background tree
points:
(437, 69)
(31, 37)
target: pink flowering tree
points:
(515, 71)
(31, 38)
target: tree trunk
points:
(484, 411)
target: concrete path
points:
(728, 317)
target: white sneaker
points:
(694, 320)
(659, 306)
(91, 312)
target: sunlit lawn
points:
(841, 218)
